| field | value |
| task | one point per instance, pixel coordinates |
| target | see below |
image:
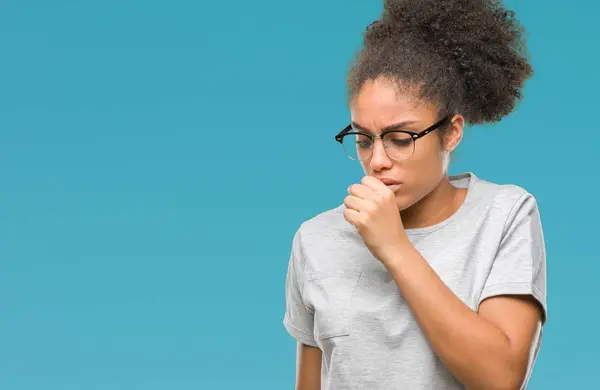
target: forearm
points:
(477, 352)
(308, 368)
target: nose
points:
(380, 159)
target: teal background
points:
(155, 163)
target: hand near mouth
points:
(371, 207)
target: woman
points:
(421, 280)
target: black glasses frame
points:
(339, 137)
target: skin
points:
(488, 349)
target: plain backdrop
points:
(156, 158)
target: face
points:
(379, 104)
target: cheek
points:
(424, 170)
(426, 161)
(427, 146)
(366, 168)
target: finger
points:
(374, 184)
(356, 203)
(361, 191)
(352, 216)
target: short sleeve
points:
(298, 319)
(519, 267)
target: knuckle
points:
(365, 220)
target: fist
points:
(371, 208)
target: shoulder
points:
(509, 201)
(327, 242)
(501, 193)
(326, 223)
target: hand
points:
(371, 208)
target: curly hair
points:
(466, 56)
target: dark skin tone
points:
(487, 349)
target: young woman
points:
(421, 280)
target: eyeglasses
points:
(399, 144)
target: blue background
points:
(156, 158)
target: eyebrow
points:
(395, 126)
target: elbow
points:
(510, 384)
(511, 380)
(500, 384)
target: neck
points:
(435, 207)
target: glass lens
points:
(399, 146)
(357, 146)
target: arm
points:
(308, 368)
(299, 322)
(485, 350)
(488, 349)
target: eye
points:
(363, 141)
(398, 139)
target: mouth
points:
(394, 185)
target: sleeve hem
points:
(516, 288)
(301, 336)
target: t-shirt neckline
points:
(459, 181)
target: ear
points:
(453, 135)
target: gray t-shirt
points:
(341, 299)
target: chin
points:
(404, 202)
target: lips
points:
(392, 184)
(388, 182)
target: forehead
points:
(380, 103)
